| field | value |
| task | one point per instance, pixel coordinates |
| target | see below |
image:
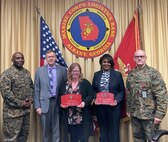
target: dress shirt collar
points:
(51, 67)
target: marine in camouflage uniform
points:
(146, 99)
(17, 91)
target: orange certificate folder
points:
(104, 98)
(71, 100)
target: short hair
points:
(14, 54)
(49, 51)
(71, 67)
(107, 57)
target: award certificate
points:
(71, 100)
(104, 98)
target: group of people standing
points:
(146, 99)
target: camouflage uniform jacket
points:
(15, 85)
(146, 93)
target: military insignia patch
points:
(88, 29)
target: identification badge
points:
(144, 94)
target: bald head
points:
(140, 52)
(140, 58)
(15, 54)
(18, 59)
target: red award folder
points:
(71, 100)
(104, 98)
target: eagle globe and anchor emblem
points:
(88, 29)
(70, 96)
(104, 96)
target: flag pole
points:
(38, 10)
(139, 10)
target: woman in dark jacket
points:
(77, 120)
(109, 80)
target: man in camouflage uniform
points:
(17, 91)
(146, 98)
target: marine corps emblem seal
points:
(88, 29)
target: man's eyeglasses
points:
(139, 57)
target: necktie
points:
(51, 79)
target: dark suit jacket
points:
(41, 86)
(116, 84)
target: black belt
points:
(53, 98)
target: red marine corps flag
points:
(124, 55)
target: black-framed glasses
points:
(139, 57)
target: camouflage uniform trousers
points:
(143, 129)
(16, 129)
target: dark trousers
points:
(76, 133)
(50, 123)
(109, 121)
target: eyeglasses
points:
(139, 57)
(75, 70)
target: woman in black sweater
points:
(77, 120)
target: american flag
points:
(47, 42)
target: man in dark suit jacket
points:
(48, 80)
